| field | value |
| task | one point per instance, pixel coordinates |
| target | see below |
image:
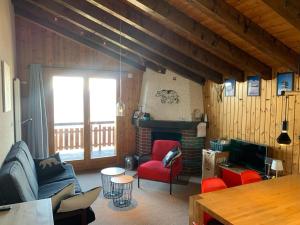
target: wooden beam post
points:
(40, 15)
(236, 22)
(21, 11)
(201, 36)
(289, 10)
(137, 19)
(102, 18)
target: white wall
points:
(190, 96)
(7, 53)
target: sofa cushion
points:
(14, 186)
(48, 190)
(68, 173)
(20, 156)
(79, 201)
(49, 167)
(65, 192)
(21, 145)
(171, 156)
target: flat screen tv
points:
(249, 155)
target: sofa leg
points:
(138, 182)
(170, 187)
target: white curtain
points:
(37, 129)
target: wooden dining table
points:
(269, 202)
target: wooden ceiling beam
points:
(76, 34)
(135, 18)
(46, 14)
(289, 10)
(236, 22)
(201, 36)
(100, 17)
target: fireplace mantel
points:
(167, 124)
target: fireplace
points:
(163, 135)
(183, 131)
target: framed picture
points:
(230, 88)
(135, 116)
(253, 85)
(6, 86)
(285, 82)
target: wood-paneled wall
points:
(256, 119)
(36, 44)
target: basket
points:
(216, 145)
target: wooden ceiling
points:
(199, 39)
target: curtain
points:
(37, 136)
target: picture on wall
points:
(229, 88)
(285, 82)
(253, 85)
(6, 87)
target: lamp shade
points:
(277, 165)
(120, 109)
(284, 138)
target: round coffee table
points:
(122, 185)
(106, 175)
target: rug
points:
(151, 204)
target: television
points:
(249, 155)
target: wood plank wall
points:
(36, 44)
(256, 119)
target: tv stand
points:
(231, 175)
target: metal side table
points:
(122, 185)
(106, 175)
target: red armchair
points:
(155, 170)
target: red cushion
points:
(154, 170)
(162, 147)
(250, 176)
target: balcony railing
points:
(68, 136)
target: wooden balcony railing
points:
(68, 136)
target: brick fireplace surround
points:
(191, 144)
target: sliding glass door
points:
(68, 99)
(84, 116)
(102, 94)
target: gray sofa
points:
(19, 183)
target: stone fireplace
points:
(183, 131)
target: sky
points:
(68, 99)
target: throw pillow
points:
(63, 193)
(80, 201)
(171, 156)
(49, 167)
